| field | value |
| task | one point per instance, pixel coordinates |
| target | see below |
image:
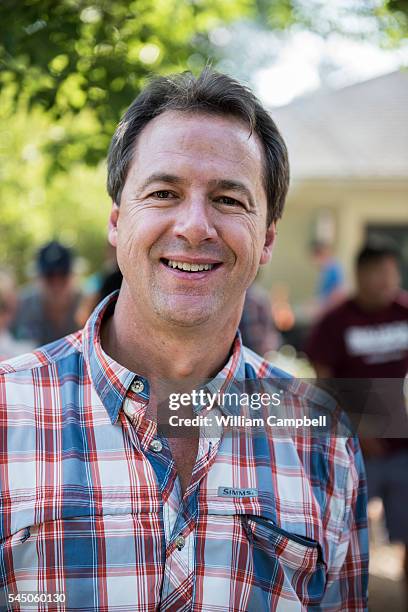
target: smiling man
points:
(99, 505)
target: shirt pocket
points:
(287, 565)
(16, 539)
(65, 555)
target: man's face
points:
(193, 199)
(378, 282)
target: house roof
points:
(359, 131)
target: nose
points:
(194, 221)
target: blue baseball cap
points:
(54, 258)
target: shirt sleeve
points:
(347, 572)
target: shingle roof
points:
(358, 131)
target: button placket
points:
(180, 542)
(178, 579)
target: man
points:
(366, 337)
(47, 309)
(101, 506)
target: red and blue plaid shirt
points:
(91, 504)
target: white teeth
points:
(189, 267)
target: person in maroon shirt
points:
(366, 337)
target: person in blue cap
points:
(47, 307)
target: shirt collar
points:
(112, 381)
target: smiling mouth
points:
(189, 267)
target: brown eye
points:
(162, 195)
(229, 201)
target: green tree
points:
(68, 69)
(71, 205)
(67, 55)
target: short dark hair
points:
(375, 250)
(213, 93)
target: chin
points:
(185, 315)
(186, 319)
(187, 310)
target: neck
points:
(160, 351)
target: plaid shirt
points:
(91, 504)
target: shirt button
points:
(137, 385)
(156, 446)
(180, 542)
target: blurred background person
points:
(257, 326)
(47, 308)
(330, 286)
(110, 281)
(366, 337)
(95, 286)
(9, 346)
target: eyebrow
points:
(161, 177)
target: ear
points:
(268, 245)
(113, 225)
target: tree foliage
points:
(69, 68)
(67, 55)
(35, 207)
